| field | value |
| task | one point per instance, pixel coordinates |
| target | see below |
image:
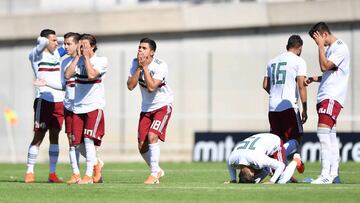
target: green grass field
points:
(183, 182)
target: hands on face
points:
(319, 39)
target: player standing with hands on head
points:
(284, 81)
(48, 105)
(88, 118)
(157, 97)
(334, 64)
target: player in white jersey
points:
(48, 105)
(334, 63)
(157, 97)
(284, 81)
(89, 102)
(255, 155)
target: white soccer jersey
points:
(334, 82)
(255, 151)
(46, 66)
(282, 72)
(69, 85)
(160, 97)
(89, 95)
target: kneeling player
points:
(254, 157)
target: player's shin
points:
(335, 154)
(154, 150)
(31, 160)
(54, 156)
(325, 152)
(90, 156)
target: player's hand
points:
(308, 81)
(319, 39)
(229, 182)
(86, 49)
(39, 82)
(268, 183)
(304, 117)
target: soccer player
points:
(334, 64)
(255, 155)
(88, 119)
(48, 105)
(284, 80)
(157, 97)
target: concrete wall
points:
(216, 57)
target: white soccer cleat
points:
(323, 180)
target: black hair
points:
(319, 27)
(76, 36)
(91, 39)
(47, 32)
(294, 41)
(245, 178)
(151, 43)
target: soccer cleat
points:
(323, 180)
(336, 180)
(97, 171)
(53, 178)
(152, 180)
(29, 178)
(161, 173)
(86, 180)
(75, 178)
(300, 167)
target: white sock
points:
(154, 151)
(53, 156)
(291, 147)
(325, 150)
(73, 160)
(146, 157)
(90, 156)
(335, 154)
(287, 173)
(31, 160)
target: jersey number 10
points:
(277, 75)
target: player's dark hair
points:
(319, 27)
(76, 36)
(151, 43)
(91, 39)
(47, 32)
(245, 178)
(294, 41)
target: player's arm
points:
(232, 173)
(151, 83)
(325, 64)
(303, 97)
(266, 84)
(133, 79)
(309, 80)
(92, 73)
(70, 71)
(42, 82)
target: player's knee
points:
(143, 147)
(153, 138)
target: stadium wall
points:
(216, 55)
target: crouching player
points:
(256, 155)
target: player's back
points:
(282, 72)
